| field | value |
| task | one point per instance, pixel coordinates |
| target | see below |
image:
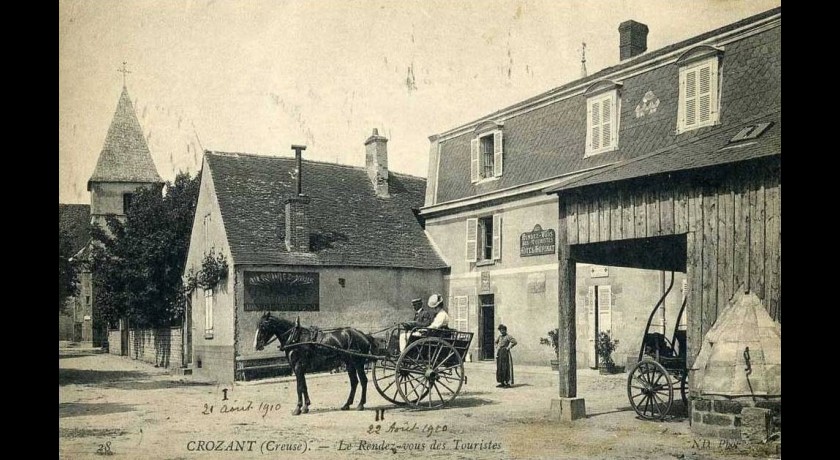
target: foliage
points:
(68, 272)
(213, 269)
(552, 340)
(137, 263)
(605, 346)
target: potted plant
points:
(552, 340)
(605, 346)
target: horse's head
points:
(269, 328)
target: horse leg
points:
(299, 386)
(305, 392)
(351, 371)
(360, 369)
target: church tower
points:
(124, 165)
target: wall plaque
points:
(537, 242)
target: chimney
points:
(376, 162)
(297, 222)
(633, 41)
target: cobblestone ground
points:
(115, 406)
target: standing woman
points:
(504, 360)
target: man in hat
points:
(504, 360)
(422, 318)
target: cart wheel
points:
(650, 390)
(435, 373)
(385, 379)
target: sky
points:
(258, 76)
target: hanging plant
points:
(190, 281)
(213, 269)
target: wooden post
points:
(566, 310)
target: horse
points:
(334, 348)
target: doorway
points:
(487, 331)
(599, 300)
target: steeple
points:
(125, 157)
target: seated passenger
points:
(422, 318)
(437, 317)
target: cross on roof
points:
(124, 70)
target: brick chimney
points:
(633, 39)
(297, 221)
(376, 162)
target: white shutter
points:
(704, 94)
(690, 98)
(596, 125)
(497, 236)
(208, 310)
(472, 240)
(606, 122)
(498, 153)
(474, 161)
(605, 309)
(590, 313)
(459, 313)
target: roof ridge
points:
(278, 157)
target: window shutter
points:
(596, 125)
(690, 98)
(208, 310)
(472, 240)
(497, 236)
(704, 94)
(605, 309)
(590, 311)
(460, 310)
(498, 153)
(474, 161)
(606, 122)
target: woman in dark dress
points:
(504, 360)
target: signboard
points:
(537, 242)
(281, 291)
(599, 271)
(485, 283)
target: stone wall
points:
(743, 418)
(161, 347)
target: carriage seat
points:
(655, 344)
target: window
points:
(699, 101)
(127, 199)
(484, 238)
(486, 156)
(459, 313)
(602, 123)
(208, 313)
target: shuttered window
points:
(602, 123)
(460, 313)
(484, 238)
(699, 102)
(487, 156)
(208, 313)
(472, 240)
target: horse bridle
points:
(277, 337)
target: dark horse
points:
(334, 348)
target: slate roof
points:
(75, 220)
(349, 224)
(125, 156)
(549, 141)
(699, 152)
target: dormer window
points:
(486, 152)
(602, 116)
(699, 92)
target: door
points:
(124, 337)
(488, 322)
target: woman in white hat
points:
(441, 317)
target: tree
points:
(68, 274)
(137, 264)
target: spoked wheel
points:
(650, 390)
(435, 373)
(385, 380)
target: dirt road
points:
(114, 406)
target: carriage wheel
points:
(435, 373)
(650, 390)
(385, 379)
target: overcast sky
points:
(258, 76)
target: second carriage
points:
(428, 373)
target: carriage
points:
(428, 373)
(661, 368)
